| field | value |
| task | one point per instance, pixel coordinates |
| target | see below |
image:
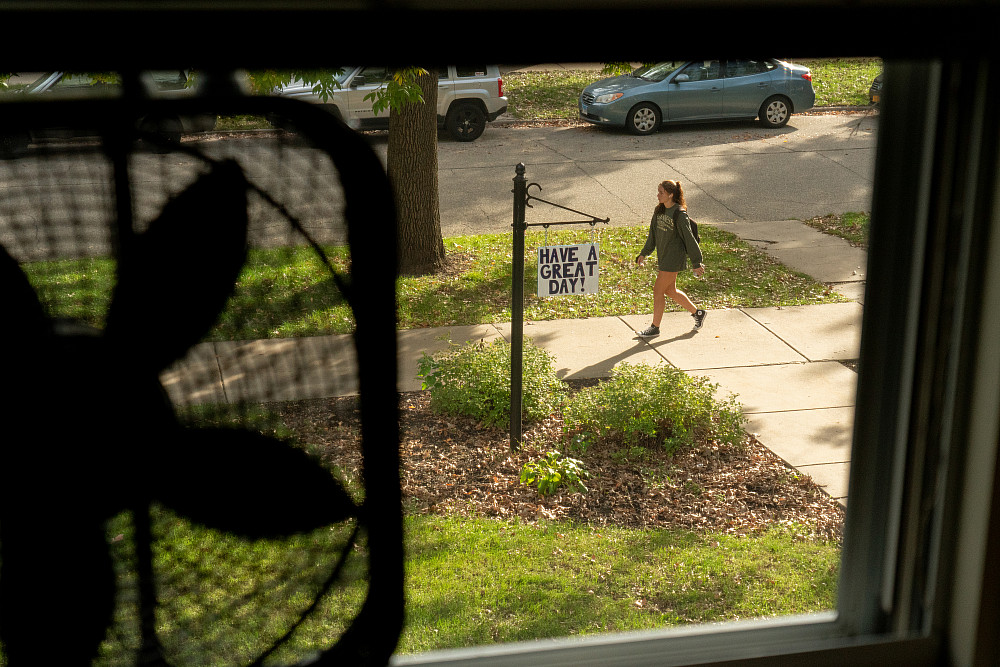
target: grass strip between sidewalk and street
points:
(287, 292)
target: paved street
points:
(731, 172)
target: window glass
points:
(471, 70)
(703, 70)
(743, 67)
(657, 72)
(375, 73)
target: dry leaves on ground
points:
(453, 465)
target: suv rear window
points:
(471, 70)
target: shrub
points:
(643, 405)
(474, 380)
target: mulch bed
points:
(453, 465)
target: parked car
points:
(875, 91)
(468, 97)
(698, 91)
(72, 85)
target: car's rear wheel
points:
(643, 119)
(465, 122)
(775, 111)
(164, 132)
(14, 144)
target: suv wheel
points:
(14, 144)
(465, 122)
(167, 128)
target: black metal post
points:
(517, 309)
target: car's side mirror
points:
(358, 81)
(681, 78)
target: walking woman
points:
(670, 235)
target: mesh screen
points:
(164, 299)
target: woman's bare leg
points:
(669, 281)
(659, 296)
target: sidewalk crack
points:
(222, 377)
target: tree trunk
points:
(412, 166)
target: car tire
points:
(775, 111)
(465, 121)
(167, 129)
(14, 144)
(643, 119)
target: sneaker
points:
(699, 318)
(649, 332)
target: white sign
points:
(568, 269)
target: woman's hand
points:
(639, 259)
(700, 271)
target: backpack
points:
(694, 226)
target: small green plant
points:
(553, 471)
(474, 380)
(641, 405)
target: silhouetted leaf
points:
(249, 484)
(23, 315)
(176, 277)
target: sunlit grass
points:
(739, 275)
(289, 292)
(479, 581)
(852, 227)
(468, 582)
(842, 81)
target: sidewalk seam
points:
(775, 334)
(222, 377)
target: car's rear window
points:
(471, 70)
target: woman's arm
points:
(650, 241)
(683, 224)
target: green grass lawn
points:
(287, 292)
(468, 582)
(852, 227)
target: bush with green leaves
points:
(553, 471)
(645, 405)
(474, 380)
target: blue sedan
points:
(697, 91)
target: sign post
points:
(567, 270)
(517, 308)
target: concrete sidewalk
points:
(784, 364)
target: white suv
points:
(468, 96)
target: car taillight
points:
(499, 87)
(808, 76)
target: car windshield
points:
(657, 72)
